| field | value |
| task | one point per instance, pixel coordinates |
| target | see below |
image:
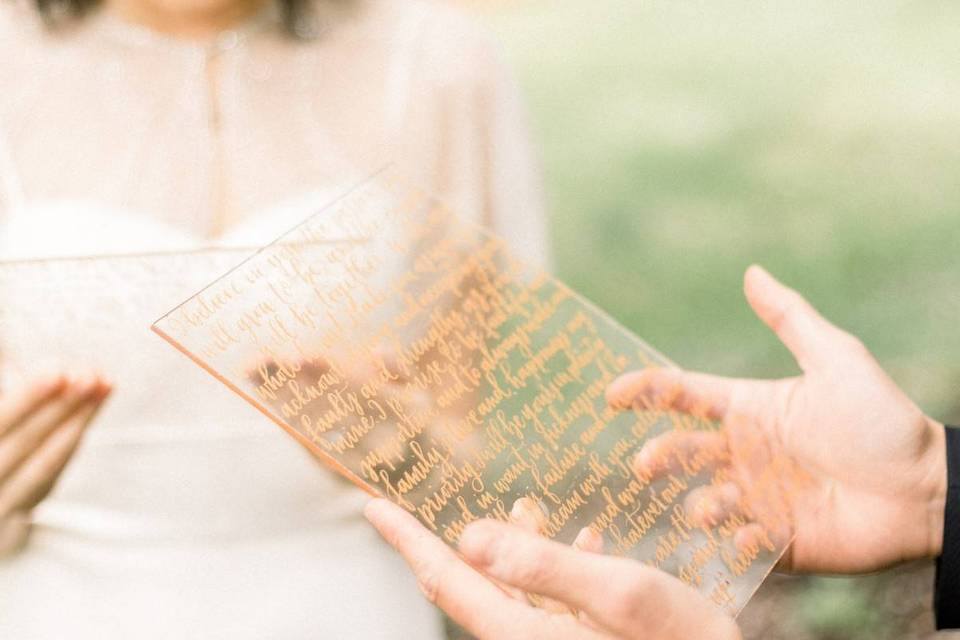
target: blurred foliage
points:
(685, 139)
(836, 607)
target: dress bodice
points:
(116, 141)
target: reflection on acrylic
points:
(415, 355)
(83, 314)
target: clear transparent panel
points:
(79, 315)
(411, 352)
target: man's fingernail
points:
(614, 394)
(645, 460)
(518, 510)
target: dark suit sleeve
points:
(946, 595)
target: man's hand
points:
(605, 597)
(876, 463)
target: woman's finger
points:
(697, 394)
(20, 443)
(14, 531)
(17, 404)
(35, 478)
(387, 358)
(624, 597)
(468, 597)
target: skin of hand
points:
(41, 426)
(873, 494)
(592, 596)
(875, 465)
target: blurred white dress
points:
(113, 139)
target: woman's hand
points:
(603, 597)
(875, 464)
(40, 428)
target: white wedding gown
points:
(173, 521)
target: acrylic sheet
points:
(91, 314)
(414, 354)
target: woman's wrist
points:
(14, 529)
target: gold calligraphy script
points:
(416, 355)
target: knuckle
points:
(430, 580)
(429, 585)
(630, 598)
(535, 567)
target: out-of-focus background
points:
(685, 139)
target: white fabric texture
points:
(115, 140)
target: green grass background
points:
(683, 140)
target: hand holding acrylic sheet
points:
(413, 354)
(77, 315)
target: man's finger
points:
(698, 394)
(710, 505)
(634, 597)
(809, 336)
(588, 540)
(680, 452)
(528, 516)
(468, 597)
